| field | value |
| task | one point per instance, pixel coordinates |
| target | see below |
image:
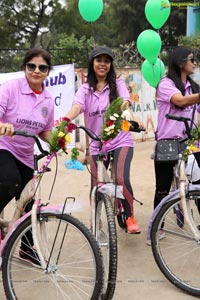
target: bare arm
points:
(182, 101)
(73, 112)
(45, 136)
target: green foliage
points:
(193, 143)
(192, 42)
(125, 20)
(27, 21)
(72, 50)
(59, 136)
(69, 38)
(74, 154)
(174, 27)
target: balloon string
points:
(92, 32)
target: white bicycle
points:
(178, 254)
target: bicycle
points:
(105, 206)
(67, 260)
(177, 255)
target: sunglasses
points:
(192, 59)
(42, 68)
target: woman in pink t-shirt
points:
(25, 105)
(92, 99)
(176, 94)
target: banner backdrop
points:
(61, 85)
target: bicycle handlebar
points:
(185, 120)
(91, 134)
(33, 136)
(173, 117)
(135, 127)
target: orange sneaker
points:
(132, 226)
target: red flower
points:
(71, 127)
(109, 122)
(61, 143)
(66, 119)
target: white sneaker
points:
(161, 235)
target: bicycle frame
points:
(105, 186)
(184, 188)
(172, 196)
(32, 189)
(183, 183)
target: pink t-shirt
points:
(169, 129)
(20, 106)
(93, 105)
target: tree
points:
(48, 24)
(191, 42)
(125, 20)
(72, 50)
(27, 21)
(174, 27)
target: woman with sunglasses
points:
(176, 94)
(26, 105)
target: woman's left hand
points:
(6, 129)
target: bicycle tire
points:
(177, 254)
(106, 235)
(76, 269)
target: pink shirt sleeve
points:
(122, 89)
(169, 128)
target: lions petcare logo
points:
(44, 112)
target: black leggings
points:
(14, 175)
(164, 176)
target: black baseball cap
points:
(102, 50)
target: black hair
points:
(34, 52)
(111, 79)
(176, 58)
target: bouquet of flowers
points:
(193, 144)
(114, 121)
(60, 135)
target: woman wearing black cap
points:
(93, 98)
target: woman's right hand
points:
(6, 129)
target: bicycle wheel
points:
(75, 270)
(178, 253)
(106, 235)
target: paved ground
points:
(138, 275)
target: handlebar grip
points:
(135, 127)
(20, 132)
(177, 118)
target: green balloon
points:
(157, 12)
(90, 10)
(149, 44)
(152, 73)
